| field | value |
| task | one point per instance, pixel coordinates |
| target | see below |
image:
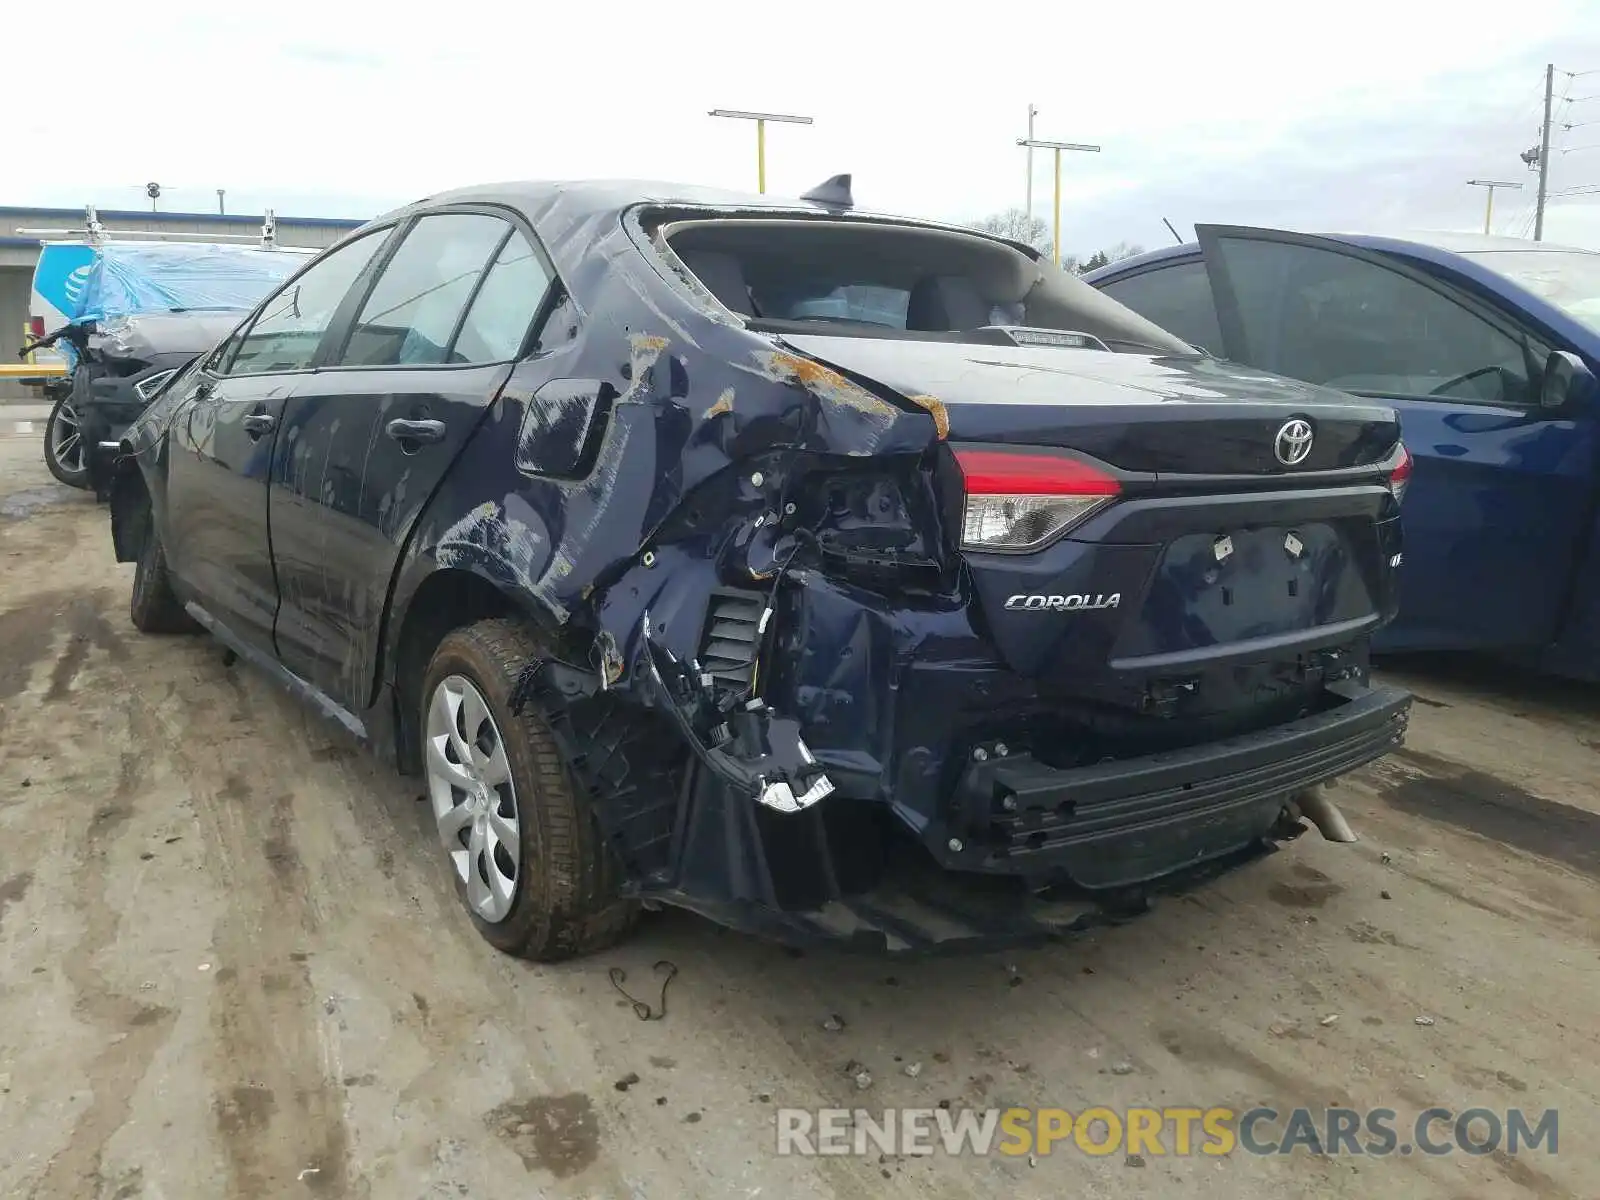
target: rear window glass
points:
(884, 279)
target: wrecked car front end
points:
(803, 704)
(123, 366)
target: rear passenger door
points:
(367, 439)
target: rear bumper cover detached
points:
(1121, 823)
(1020, 851)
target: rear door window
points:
(411, 316)
(1347, 322)
(291, 325)
(497, 323)
(1177, 298)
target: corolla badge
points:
(1043, 603)
(1293, 443)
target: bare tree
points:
(1019, 227)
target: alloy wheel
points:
(473, 796)
(66, 438)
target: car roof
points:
(595, 196)
(581, 221)
(574, 200)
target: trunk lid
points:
(1199, 577)
(1146, 413)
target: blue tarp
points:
(127, 279)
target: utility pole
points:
(761, 120)
(1490, 184)
(1058, 147)
(1033, 112)
(1544, 153)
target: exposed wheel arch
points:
(447, 599)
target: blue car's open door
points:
(1501, 506)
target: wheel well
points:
(445, 601)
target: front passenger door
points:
(217, 535)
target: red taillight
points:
(1019, 501)
(1401, 475)
(1007, 473)
(36, 328)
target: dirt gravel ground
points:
(232, 965)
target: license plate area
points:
(1233, 585)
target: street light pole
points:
(761, 119)
(1058, 147)
(1032, 113)
(1490, 184)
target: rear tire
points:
(487, 770)
(64, 451)
(154, 607)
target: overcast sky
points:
(1234, 110)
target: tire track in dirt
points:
(279, 1113)
(139, 1028)
(87, 628)
(410, 907)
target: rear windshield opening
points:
(873, 278)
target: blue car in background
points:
(1488, 348)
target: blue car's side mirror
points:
(1567, 381)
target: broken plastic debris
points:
(1424, 1020)
(203, 967)
(912, 1070)
(1122, 1068)
(1329, 1019)
(781, 796)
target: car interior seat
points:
(943, 303)
(723, 277)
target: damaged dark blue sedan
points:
(830, 575)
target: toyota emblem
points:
(1293, 444)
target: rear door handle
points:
(258, 423)
(415, 431)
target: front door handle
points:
(402, 430)
(258, 423)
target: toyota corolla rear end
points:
(1108, 635)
